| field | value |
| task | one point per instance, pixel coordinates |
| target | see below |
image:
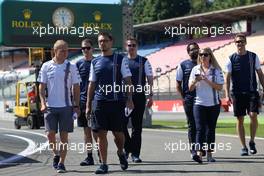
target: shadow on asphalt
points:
(23, 160)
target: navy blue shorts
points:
(59, 119)
(108, 116)
(244, 103)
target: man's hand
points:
(88, 111)
(130, 104)
(229, 100)
(149, 102)
(77, 110)
(43, 107)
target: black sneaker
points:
(56, 161)
(252, 147)
(197, 159)
(136, 159)
(87, 161)
(61, 168)
(244, 151)
(123, 161)
(102, 169)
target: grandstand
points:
(247, 19)
(254, 44)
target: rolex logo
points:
(27, 14)
(97, 16)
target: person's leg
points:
(240, 104)
(127, 136)
(63, 145)
(51, 127)
(188, 108)
(51, 135)
(199, 115)
(119, 139)
(136, 119)
(103, 144)
(253, 125)
(211, 118)
(241, 130)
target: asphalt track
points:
(24, 152)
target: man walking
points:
(241, 68)
(59, 76)
(106, 75)
(182, 81)
(83, 66)
(141, 71)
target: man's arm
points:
(179, 88)
(42, 88)
(76, 94)
(129, 91)
(227, 86)
(261, 77)
(150, 83)
(90, 95)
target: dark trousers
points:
(133, 142)
(188, 108)
(205, 122)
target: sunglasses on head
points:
(87, 47)
(239, 41)
(204, 54)
(131, 45)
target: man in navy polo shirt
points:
(182, 81)
(141, 71)
(241, 68)
(83, 66)
(106, 75)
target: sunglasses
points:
(239, 41)
(87, 47)
(204, 54)
(132, 45)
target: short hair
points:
(189, 45)
(241, 35)
(106, 34)
(132, 38)
(60, 43)
(87, 41)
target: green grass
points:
(224, 126)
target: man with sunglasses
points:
(83, 66)
(108, 71)
(241, 68)
(141, 71)
(182, 85)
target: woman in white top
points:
(207, 78)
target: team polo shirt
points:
(83, 66)
(59, 82)
(205, 94)
(108, 72)
(182, 74)
(243, 72)
(140, 68)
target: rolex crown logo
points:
(27, 14)
(97, 16)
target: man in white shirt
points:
(62, 79)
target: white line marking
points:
(185, 132)
(31, 149)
